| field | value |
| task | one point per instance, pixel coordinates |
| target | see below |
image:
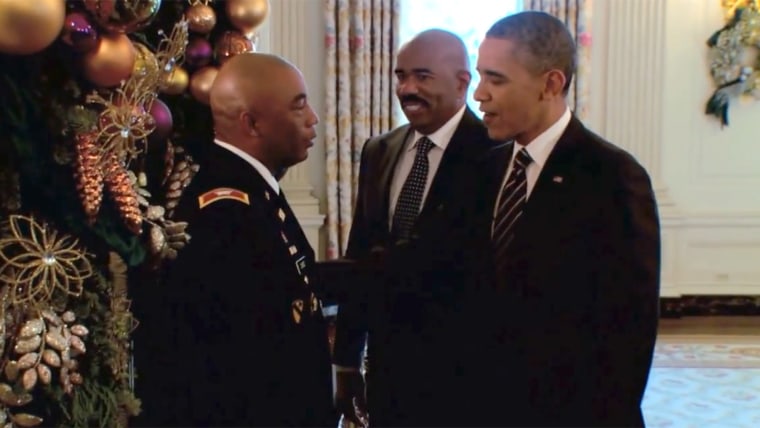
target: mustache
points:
(412, 98)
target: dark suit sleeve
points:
(351, 324)
(626, 305)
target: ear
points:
(555, 82)
(248, 123)
(464, 78)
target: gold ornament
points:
(36, 261)
(201, 18)
(200, 83)
(88, 174)
(111, 62)
(27, 27)
(247, 15)
(146, 64)
(176, 82)
(123, 16)
(231, 43)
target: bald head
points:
(244, 83)
(260, 106)
(445, 47)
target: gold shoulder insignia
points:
(220, 193)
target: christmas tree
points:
(103, 112)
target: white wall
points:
(650, 82)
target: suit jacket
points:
(238, 337)
(571, 327)
(409, 304)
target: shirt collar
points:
(442, 135)
(255, 163)
(541, 147)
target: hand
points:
(350, 398)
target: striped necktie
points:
(511, 204)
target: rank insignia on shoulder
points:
(220, 193)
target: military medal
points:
(314, 303)
(297, 310)
(301, 265)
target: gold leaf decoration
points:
(36, 261)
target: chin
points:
(497, 135)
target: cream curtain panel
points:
(577, 16)
(361, 39)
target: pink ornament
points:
(198, 52)
(79, 33)
(164, 122)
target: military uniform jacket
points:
(246, 343)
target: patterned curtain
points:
(360, 44)
(577, 16)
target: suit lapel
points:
(461, 149)
(555, 177)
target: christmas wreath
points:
(734, 66)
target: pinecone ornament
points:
(181, 174)
(88, 174)
(120, 189)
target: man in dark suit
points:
(240, 338)
(575, 245)
(412, 229)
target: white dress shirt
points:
(440, 139)
(539, 150)
(255, 163)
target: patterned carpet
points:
(704, 382)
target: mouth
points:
(487, 117)
(413, 106)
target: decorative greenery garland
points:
(730, 70)
(90, 174)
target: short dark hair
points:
(544, 38)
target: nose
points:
(406, 87)
(313, 118)
(480, 94)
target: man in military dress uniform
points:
(240, 339)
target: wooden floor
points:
(728, 325)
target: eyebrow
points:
(492, 73)
(414, 70)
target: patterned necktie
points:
(410, 198)
(511, 204)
